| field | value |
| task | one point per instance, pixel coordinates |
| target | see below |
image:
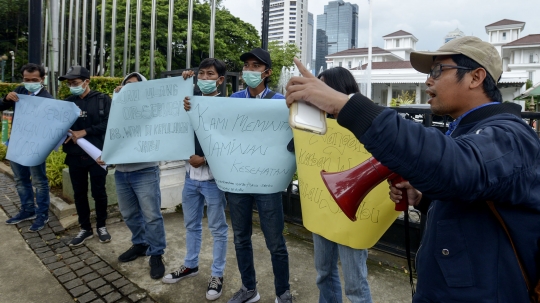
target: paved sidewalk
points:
(40, 267)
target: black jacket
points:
(90, 120)
(5, 104)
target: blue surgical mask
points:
(253, 79)
(77, 90)
(207, 86)
(32, 86)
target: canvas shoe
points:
(103, 235)
(286, 297)
(39, 223)
(215, 285)
(181, 273)
(82, 236)
(21, 216)
(135, 251)
(245, 296)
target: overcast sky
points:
(428, 20)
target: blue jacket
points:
(492, 155)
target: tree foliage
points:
(14, 34)
(406, 97)
(282, 56)
(232, 36)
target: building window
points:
(504, 36)
(349, 64)
(531, 75)
(531, 59)
(293, 3)
(397, 42)
(340, 64)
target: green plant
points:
(406, 97)
(55, 165)
(6, 88)
(3, 151)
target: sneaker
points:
(21, 216)
(286, 297)
(157, 269)
(135, 251)
(81, 237)
(180, 274)
(215, 284)
(103, 235)
(39, 223)
(245, 296)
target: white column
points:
(418, 98)
(389, 95)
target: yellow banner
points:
(338, 150)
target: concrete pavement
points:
(39, 267)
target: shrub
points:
(55, 165)
(3, 151)
(6, 88)
(101, 84)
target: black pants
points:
(78, 172)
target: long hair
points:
(340, 79)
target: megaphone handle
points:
(403, 204)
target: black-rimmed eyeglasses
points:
(437, 70)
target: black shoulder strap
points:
(101, 100)
(269, 95)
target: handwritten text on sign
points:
(147, 122)
(38, 125)
(245, 142)
(338, 150)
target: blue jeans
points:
(353, 264)
(270, 210)
(139, 199)
(26, 192)
(193, 197)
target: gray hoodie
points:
(131, 167)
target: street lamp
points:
(12, 66)
(3, 60)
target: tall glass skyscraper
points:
(337, 30)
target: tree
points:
(406, 97)
(232, 36)
(282, 56)
(14, 34)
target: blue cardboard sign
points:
(38, 125)
(147, 122)
(245, 142)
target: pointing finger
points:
(302, 69)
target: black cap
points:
(76, 72)
(259, 53)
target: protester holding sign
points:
(353, 261)
(200, 187)
(480, 180)
(256, 73)
(91, 124)
(139, 200)
(26, 176)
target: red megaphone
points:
(350, 187)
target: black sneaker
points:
(215, 284)
(39, 223)
(21, 216)
(157, 269)
(103, 235)
(135, 251)
(245, 295)
(180, 274)
(81, 237)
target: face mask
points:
(253, 79)
(32, 86)
(207, 86)
(77, 90)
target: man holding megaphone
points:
(480, 182)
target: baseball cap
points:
(480, 51)
(259, 53)
(75, 72)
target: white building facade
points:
(392, 73)
(289, 24)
